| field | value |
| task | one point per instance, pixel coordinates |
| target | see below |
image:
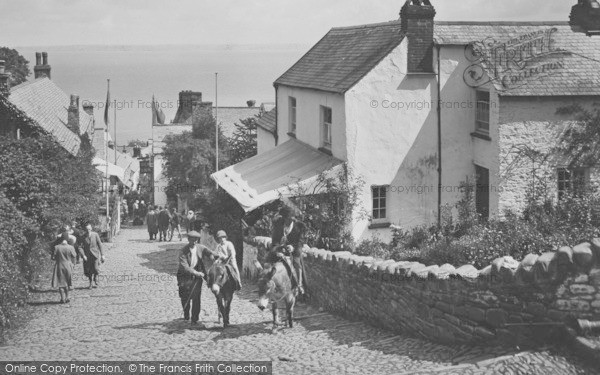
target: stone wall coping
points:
(547, 267)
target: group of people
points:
(70, 247)
(196, 257)
(160, 220)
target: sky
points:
(157, 22)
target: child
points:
(64, 257)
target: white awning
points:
(113, 170)
(265, 177)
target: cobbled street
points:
(136, 315)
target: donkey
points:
(222, 284)
(275, 285)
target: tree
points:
(16, 64)
(580, 142)
(243, 142)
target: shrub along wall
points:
(507, 302)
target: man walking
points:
(190, 275)
(164, 219)
(152, 222)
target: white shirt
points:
(194, 260)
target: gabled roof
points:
(343, 57)
(580, 71)
(268, 120)
(47, 105)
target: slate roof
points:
(579, 75)
(268, 121)
(343, 57)
(47, 105)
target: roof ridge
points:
(502, 23)
(367, 25)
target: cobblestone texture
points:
(135, 315)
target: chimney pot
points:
(416, 18)
(41, 69)
(88, 108)
(73, 115)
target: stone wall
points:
(507, 302)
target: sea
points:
(228, 75)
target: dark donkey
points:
(275, 285)
(222, 284)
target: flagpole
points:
(115, 117)
(152, 150)
(217, 127)
(106, 157)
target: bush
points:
(14, 260)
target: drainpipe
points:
(276, 135)
(439, 126)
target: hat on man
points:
(194, 234)
(221, 234)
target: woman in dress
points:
(93, 255)
(64, 258)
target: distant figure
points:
(136, 209)
(189, 221)
(152, 222)
(207, 239)
(226, 252)
(164, 219)
(176, 222)
(93, 255)
(64, 258)
(143, 209)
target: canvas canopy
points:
(272, 174)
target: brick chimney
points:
(416, 17)
(187, 101)
(88, 108)
(4, 85)
(73, 115)
(41, 68)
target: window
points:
(482, 192)
(571, 182)
(482, 114)
(292, 114)
(326, 127)
(379, 194)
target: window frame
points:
(382, 195)
(573, 181)
(479, 121)
(292, 114)
(326, 143)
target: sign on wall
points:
(512, 63)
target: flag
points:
(106, 119)
(158, 117)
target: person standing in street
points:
(189, 221)
(176, 222)
(64, 258)
(93, 255)
(190, 274)
(152, 222)
(164, 219)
